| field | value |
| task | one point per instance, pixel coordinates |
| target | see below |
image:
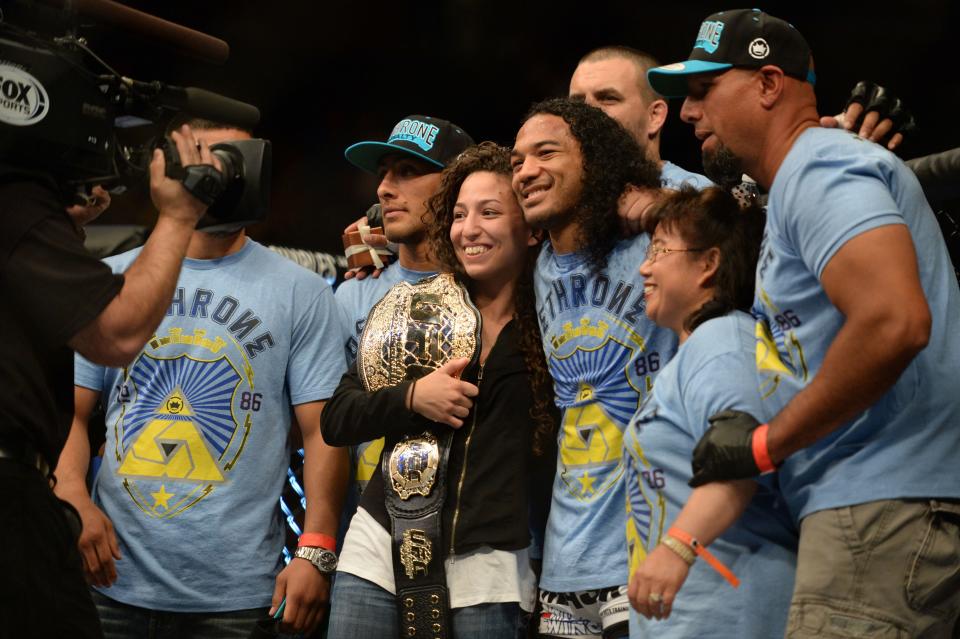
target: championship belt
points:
(412, 331)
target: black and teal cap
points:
(741, 38)
(430, 139)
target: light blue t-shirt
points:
(713, 370)
(603, 354)
(831, 187)
(196, 452)
(673, 177)
(356, 298)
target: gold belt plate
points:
(415, 329)
(413, 465)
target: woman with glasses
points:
(699, 280)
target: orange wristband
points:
(701, 551)
(760, 453)
(317, 540)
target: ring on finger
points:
(655, 598)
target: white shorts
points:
(597, 614)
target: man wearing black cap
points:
(856, 358)
(613, 78)
(408, 164)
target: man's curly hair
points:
(612, 159)
(492, 158)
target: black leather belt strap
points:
(24, 453)
(423, 603)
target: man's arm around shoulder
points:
(874, 281)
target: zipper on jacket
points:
(463, 470)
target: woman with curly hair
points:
(699, 281)
(500, 410)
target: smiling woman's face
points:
(674, 275)
(488, 233)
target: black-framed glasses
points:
(654, 251)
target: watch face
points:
(324, 560)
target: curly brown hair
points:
(490, 157)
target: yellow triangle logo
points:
(170, 446)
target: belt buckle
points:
(413, 465)
(41, 464)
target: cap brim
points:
(366, 155)
(670, 81)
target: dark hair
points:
(490, 157)
(642, 60)
(202, 124)
(612, 159)
(713, 218)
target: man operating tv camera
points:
(57, 298)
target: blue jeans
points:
(364, 610)
(121, 621)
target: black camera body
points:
(56, 115)
(64, 113)
(238, 194)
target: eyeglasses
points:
(654, 251)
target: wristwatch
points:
(322, 559)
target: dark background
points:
(325, 75)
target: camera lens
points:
(231, 163)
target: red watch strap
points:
(318, 540)
(761, 456)
(701, 550)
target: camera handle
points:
(203, 181)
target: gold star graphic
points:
(161, 497)
(586, 483)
